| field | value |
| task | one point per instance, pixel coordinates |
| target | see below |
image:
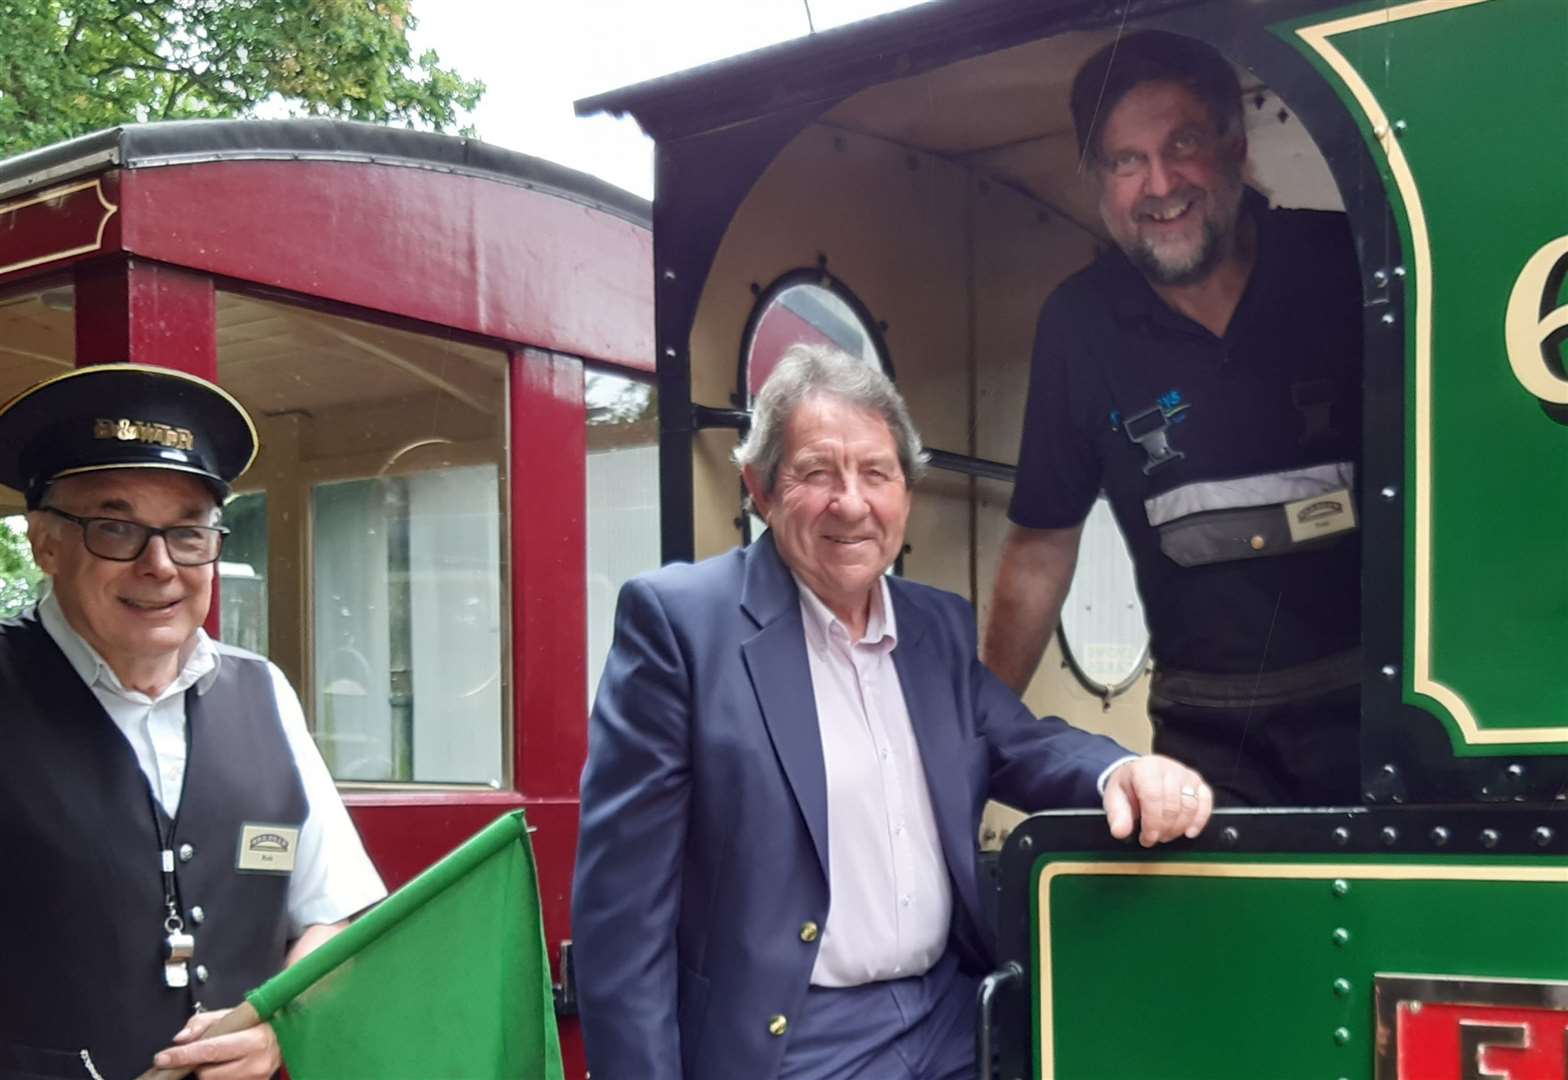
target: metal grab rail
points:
(1012, 971)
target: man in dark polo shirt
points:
(170, 835)
(1205, 375)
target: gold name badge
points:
(1320, 515)
(267, 849)
(145, 431)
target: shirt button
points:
(778, 1025)
(808, 932)
(882, 753)
(187, 853)
(904, 902)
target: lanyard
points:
(178, 945)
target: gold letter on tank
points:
(1534, 322)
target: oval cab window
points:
(800, 309)
(1103, 635)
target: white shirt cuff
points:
(1112, 767)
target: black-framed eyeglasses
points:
(119, 540)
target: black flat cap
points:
(123, 416)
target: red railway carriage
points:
(447, 348)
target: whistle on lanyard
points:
(178, 948)
(1149, 429)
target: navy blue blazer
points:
(704, 808)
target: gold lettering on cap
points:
(145, 431)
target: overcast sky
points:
(538, 56)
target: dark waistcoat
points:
(81, 893)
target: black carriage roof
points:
(182, 142)
(831, 64)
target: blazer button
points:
(778, 1026)
(808, 932)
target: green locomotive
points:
(910, 187)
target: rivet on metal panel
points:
(1388, 671)
(1439, 836)
(1399, 271)
(1415, 1006)
(1341, 1035)
(1400, 127)
(1543, 836)
(1380, 130)
(1388, 318)
(1342, 987)
(669, 273)
(1388, 493)
(669, 350)
(1341, 936)
(1380, 278)
(1340, 887)
(1489, 838)
(1341, 836)
(1389, 835)
(1516, 770)
(1229, 836)
(1026, 842)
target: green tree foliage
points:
(19, 578)
(68, 68)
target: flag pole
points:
(239, 1018)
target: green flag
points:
(445, 980)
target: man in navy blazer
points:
(788, 759)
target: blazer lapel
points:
(926, 676)
(781, 676)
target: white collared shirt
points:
(333, 877)
(892, 901)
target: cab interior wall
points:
(951, 203)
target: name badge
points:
(1320, 515)
(267, 849)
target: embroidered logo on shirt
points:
(1171, 407)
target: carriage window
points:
(408, 619)
(37, 341)
(242, 573)
(370, 566)
(806, 308)
(623, 498)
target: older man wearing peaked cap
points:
(170, 834)
(787, 762)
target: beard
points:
(1178, 261)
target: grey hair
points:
(811, 371)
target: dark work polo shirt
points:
(1281, 391)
